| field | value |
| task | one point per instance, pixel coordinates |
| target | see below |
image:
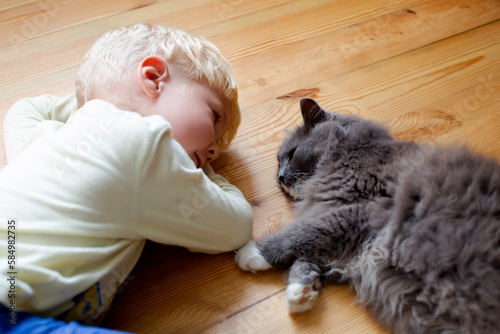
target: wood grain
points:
(428, 70)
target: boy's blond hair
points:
(119, 51)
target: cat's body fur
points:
(414, 229)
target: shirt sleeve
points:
(180, 205)
(30, 118)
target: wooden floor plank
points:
(343, 50)
(65, 48)
(36, 19)
(9, 4)
(295, 22)
(416, 78)
(412, 85)
(341, 317)
(194, 286)
(214, 12)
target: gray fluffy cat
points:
(414, 229)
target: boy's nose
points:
(213, 152)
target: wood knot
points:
(260, 81)
(300, 94)
(425, 125)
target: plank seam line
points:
(252, 305)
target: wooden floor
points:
(429, 70)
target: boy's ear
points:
(152, 73)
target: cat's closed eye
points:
(291, 153)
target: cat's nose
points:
(281, 177)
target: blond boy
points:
(90, 178)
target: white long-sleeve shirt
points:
(85, 188)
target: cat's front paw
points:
(301, 297)
(249, 258)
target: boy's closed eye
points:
(217, 117)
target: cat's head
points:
(324, 136)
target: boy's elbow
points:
(240, 233)
(232, 233)
(246, 232)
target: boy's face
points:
(198, 115)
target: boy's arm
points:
(25, 121)
(184, 206)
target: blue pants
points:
(26, 323)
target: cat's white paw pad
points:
(301, 297)
(249, 258)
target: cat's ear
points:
(312, 113)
